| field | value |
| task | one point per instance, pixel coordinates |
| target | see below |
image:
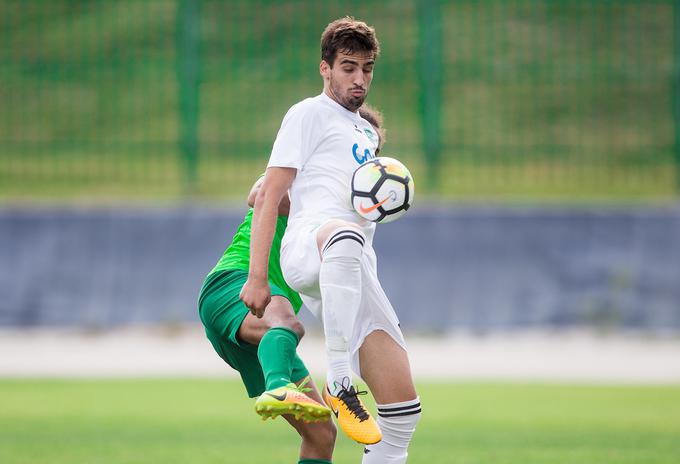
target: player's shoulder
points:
(312, 106)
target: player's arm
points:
(255, 293)
(284, 206)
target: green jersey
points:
(237, 256)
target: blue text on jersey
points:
(359, 158)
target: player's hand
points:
(256, 295)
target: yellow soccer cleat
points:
(352, 416)
(290, 399)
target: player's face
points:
(349, 79)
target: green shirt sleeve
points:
(237, 256)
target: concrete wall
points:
(479, 268)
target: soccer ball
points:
(382, 189)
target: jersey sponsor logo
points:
(371, 136)
(361, 159)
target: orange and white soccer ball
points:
(382, 189)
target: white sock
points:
(338, 372)
(340, 284)
(397, 423)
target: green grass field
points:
(211, 421)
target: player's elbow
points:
(270, 201)
(261, 196)
(251, 197)
(274, 187)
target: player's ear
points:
(325, 70)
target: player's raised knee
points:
(331, 228)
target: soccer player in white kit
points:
(327, 254)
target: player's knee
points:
(345, 242)
(280, 314)
(290, 323)
(297, 327)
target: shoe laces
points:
(350, 397)
(302, 388)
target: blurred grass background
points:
(169, 100)
(208, 421)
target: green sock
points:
(313, 461)
(276, 353)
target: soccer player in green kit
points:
(263, 350)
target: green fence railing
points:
(498, 99)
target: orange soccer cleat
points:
(352, 416)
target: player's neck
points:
(329, 93)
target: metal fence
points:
(176, 99)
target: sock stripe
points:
(337, 237)
(396, 414)
(343, 233)
(349, 231)
(344, 237)
(400, 408)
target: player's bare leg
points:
(391, 385)
(279, 313)
(277, 335)
(395, 395)
(318, 439)
(341, 247)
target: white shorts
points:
(300, 263)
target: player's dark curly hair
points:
(348, 35)
(375, 118)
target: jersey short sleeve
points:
(298, 136)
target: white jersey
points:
(325, 142)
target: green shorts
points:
(222, 312)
